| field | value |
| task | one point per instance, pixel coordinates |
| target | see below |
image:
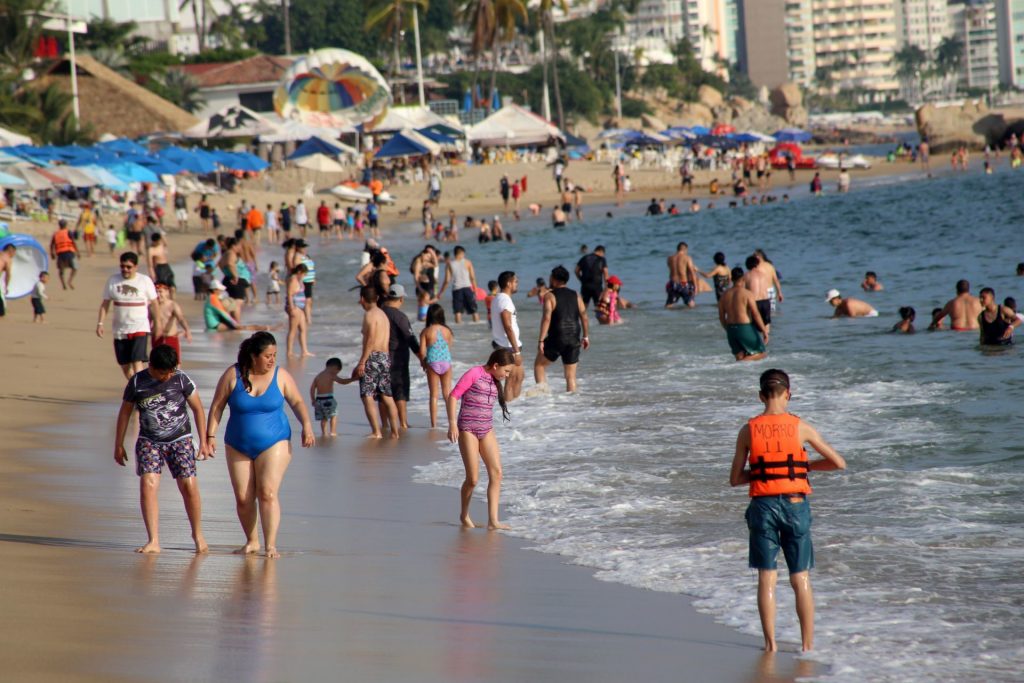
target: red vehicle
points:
(781, 151)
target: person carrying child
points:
(321, 394)
(779, 514)
(479, 388)
(161, 393)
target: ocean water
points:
(919, 544)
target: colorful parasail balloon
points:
(332, 87)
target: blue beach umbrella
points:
(188, 160)
(159, 166)
(123, 146)
(467, 101)
(495, 100)
(105, 177)
(792, 135)
(133, 173)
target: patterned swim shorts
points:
(376, 379)
(179, 455)
(325, 407)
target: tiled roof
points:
(257, 69)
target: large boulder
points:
(787, 102)
(695, 114)
(758, 119)
(709, 97)
(969, 124)
(653, 122)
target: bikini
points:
(256, 422)
(439, 356)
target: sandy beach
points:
(377, 581)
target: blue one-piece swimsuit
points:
(256, 422)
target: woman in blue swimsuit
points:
(258, 435)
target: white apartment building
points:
(923, 23)
(1010, 25)
(654, 29)
(800, 51)
(974, 23)
(160, 21)
(855, 40)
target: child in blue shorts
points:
(161, 393)
(779, 514)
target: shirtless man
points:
(577, 201)
(963, 310)
(171, 316)
(159, 268)
(774, 286)
(996, 322)
(738, 314)
(567, 204)
(757, 282)
(374, 367)
(682, 277)
(6, 262)
(849, 307)
(558, 217)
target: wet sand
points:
(377, 581)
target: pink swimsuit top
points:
(478, 392)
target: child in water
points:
(779, 514)
(609, 303)
(321, 395)
(474, 432)
(274, 284)
(906, 323)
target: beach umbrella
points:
(133, 173)
(239, 161)
(9, 138)
(189, 160)
(495, 100)
(679, 133)
(408, 143)
(123, 146)
(321, 163)
(700, 130)
(29, 260)
(792, 135)
(467, 101)
(154, 164)
(74, 176)
(105, 178)
(8, 180)
(614, 133)
(36, 178)
(332, 85)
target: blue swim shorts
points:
(778, 522)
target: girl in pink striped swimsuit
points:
(474, 432)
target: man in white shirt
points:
(505, 330)
(134, 298)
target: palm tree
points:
(478, 16)
(181, 89)
(113, 58)
(392, 17)
(910, 61)
(199, 8)
(493, 22)
(20, 29)
(948, 55)
(548, 26)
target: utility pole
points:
(419, 56)
(618, 88)
(287, 28)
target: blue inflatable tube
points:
(30, 259)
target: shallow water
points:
(918, 545)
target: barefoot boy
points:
(779, 514)
(161, 393)
(321, 394)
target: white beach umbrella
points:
(321, 163)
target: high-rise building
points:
(1010, 39)
(711, 27)
(923, 23)
(762, 42)
(974, 24)
(855, 41)
(654, 28)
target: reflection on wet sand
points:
(474, 593)
(247, 623)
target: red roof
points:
(257, 69)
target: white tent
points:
(321, 163)
(514, 126)
(8, 138)
(401, 118)
(293, 131)
(234, 121)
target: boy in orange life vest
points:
(779, 514)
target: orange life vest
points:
(778, 460)
(62, 242)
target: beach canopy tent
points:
(294, 131)
(29, 260)
(679, 133)
(792, 135)
(401, 118)
(9, 138)
(638, 138)
(234, 121)
(446, 142)
(36, 178)
(74, 176)
(751, 136)
(316, 145)
(444, 129)
(123, 146)
(133, 173)
(321, 163)
(514, 126)
(407, 143)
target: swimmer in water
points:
(871, 283)
(779, 514)
(479, 388)
(996, 322)
(936, 325)
(963, 310)
(906, 323)
(720, 275)
(740, 316)
(849, 307)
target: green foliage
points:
(178, 87)
(682, 79)
(314, 24)
(20, 28)
(634, 108)
(105, 34)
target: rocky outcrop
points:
(970, 124)
(709, 97)
(787, 102)
(652, 122)
(695, 114)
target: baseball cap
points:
(397, 292)
(613, 280)
(832, 294)
(217, 284)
